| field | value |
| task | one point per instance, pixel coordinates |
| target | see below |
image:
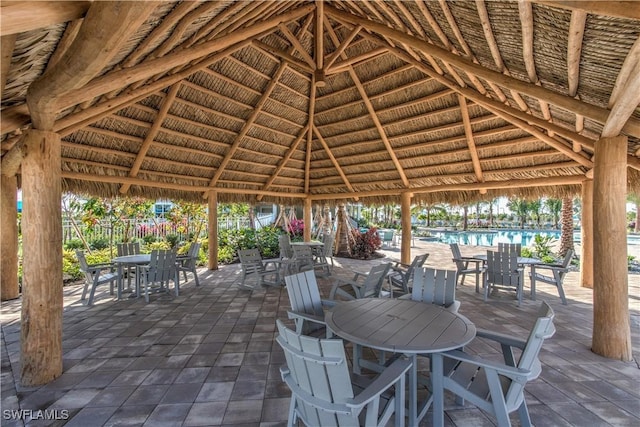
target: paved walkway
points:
(208, 357)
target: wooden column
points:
(611, 330)
(308, 220)
(41, 327)
(405, 211)
(9, 241)
(586, 230)
(213, 230)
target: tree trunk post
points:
(9, 248)
(586, 230)
(213, 230)
(611, 329)
(41, 325)
(405, 219)
(307, 218)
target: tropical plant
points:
(542, 245)
(363, 245)
(520, 207)
(189, 219)
(566, 231)
(554, 206)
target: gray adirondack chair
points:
(188, 263)
(323, 393)
(402, 274)
(498, 388)
(307, 307)
(369, 287)
(125, 249)
(325, 255)
(161, 269)
(302, 259)
(95, 275)
(503, 271)
(436, 286)
(555, 275)
(466, 265)
(510, 247)
(265, 272)
(284, 244)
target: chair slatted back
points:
(251, 261)
(434, 286)
(304, 295)
(125, 249)
(502, 268)
(327, 249)
(372, 285)
(192, 255)
(457, 256)
(303, 256)
(84, 266)
(162, 266)
(510, 247)
(318, 368)
(529, 359)
(284, 244)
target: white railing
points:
(137, 229)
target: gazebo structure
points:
(302, 102)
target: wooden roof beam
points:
(345, 43)
(295, 62)
(598, 114)
(470, 141)
(152, 133)
(334, 161)
(574, 49)
(107, 25)
(313, 90)
(21, 16)
(343, 66)
(625, 105)
(631, 63)
(372, 112)
(319, 35)
(619, 9)
(298, 46)
(8, 43)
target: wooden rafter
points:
(21, 16)
(372, 112)
(319, 35)
(345, 43)
(8, 43)
(343, 65)
(282, 55)
(470, 141)
(313, 90)
(625, 105)
(574, 49)
(152, 133)
(495, 51)
(298, 46)
(333, 160)
(631, 63)
(593, 112)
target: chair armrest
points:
(339, 283)
(454, 307)
(328, 303)
(517, 374)
(400, 267)
(501, 338)
(382, 382)
(101, 266)
(305, 316)
(551, 267)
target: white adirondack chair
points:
(323, 393)
(95, 275)
(466, 265)
(402, 274)
(187, 263)
(556, 276)
(161, 269)
(504, 272)
(263, 271)
(370, 287)
(307, 307)
(498, 388)
(436, 286)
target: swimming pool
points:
(492, 238)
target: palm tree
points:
(566, 233)
(534, 208)
(635, 198)
(520, 207)
(428, 208)
(554, 206)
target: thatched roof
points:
(450, 100)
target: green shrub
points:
(157, 245)
(149, 238)
(98, 244)
(267, 239)
(172, 239)
(527, 253)
(548, 259)
(364, 244)
(70, 265)
(542, 245)
(74, 244)
(226, 255)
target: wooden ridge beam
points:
(21, 16)
(598, 114)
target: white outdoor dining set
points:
(148, 272)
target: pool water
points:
(492, 238)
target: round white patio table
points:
(134, 260)
(407, 327)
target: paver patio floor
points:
(208, 357)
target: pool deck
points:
(208, 357)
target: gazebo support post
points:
(9, 247)
(307, 218)
(611, 330)
(213, 230)
(41, 325)
(405, 221)
(586, 230)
